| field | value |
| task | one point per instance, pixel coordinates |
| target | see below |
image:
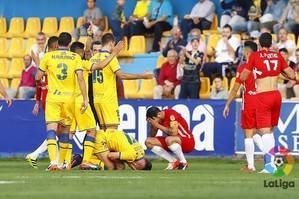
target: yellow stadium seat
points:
(147, 88)
(3, 47)
(30, 42)
(50, 26)
(3, 67)
(238, 36)
(15, 83)
(16, 68)
(131, 89)
(205, 88)
(160, 61)
(125, 52)
(167, 33)
(80, 22)
(291, 36)
(16, 48)
(214, 25)
(3, 27)
(137, 45)
(212, 42)
(33, 26)
(16, 27)
(67, 24)
(274, 37)
(210, 32)
(5, 83)
(225, 83)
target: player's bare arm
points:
(104, 158)
(4, 94)
(170, 131)
(290, 73)
(128, 76)
(114, 53)
(39, 75)
(244, 75)
(232, 95)
(82, 86)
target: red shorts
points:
(268, 106)
(248, 118)
(187, 144)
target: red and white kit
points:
(267, 63)
(173, 118)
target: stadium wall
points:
(75, 8)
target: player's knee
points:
(170, 140)
(149, 143)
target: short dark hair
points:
(218, 76)
(108, 37)
(95, 43)
(228, 26)
(283, 50)
(93, 1)
(76, 45)
(51, 41)
(148, 165)
(265, 40)
(64, 39)
(152, 112)
(251, 45)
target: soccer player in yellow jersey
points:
(86, 120)
(114, 148)
(104, 85)
(63, 67)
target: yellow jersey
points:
(141, 8)
(61, 66)
(104, 80)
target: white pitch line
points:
(10, 182)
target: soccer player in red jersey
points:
(40, 96)
(179, 137)
(248, 120)
(267, 65)
(4, 94)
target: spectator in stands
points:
(284, 42)
(160, 19)
(135, 24)
(219, 92)
(286, 86)
(224, 53)
(201, 17)
(93, 19)
(239, 52)
(269, 18)
(296, 87)
(236, 12)
(202, 45)
(26, 88)
(97, 36)
(176, 42)
(37, 50)
(289, 18)
(118, 22)
(189, 70)
(168, 84)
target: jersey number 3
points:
(271, 64)
(63, 71)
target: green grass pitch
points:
(205, 178)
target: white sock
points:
(41, 149)
(268, 142)
(257, 138)
(177, 150)
(249, 150)
(159, 151)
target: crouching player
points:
(115, 148)
(179, 137)
(248, 119)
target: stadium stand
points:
(33, 26)
(50, 26)
(16, 27)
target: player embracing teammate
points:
(266, 66)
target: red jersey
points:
(42, 90)
(266, 63)
(173, 118)
(249, 84)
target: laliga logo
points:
(284, 161)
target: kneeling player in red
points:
(248, 119)
(179, 137)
